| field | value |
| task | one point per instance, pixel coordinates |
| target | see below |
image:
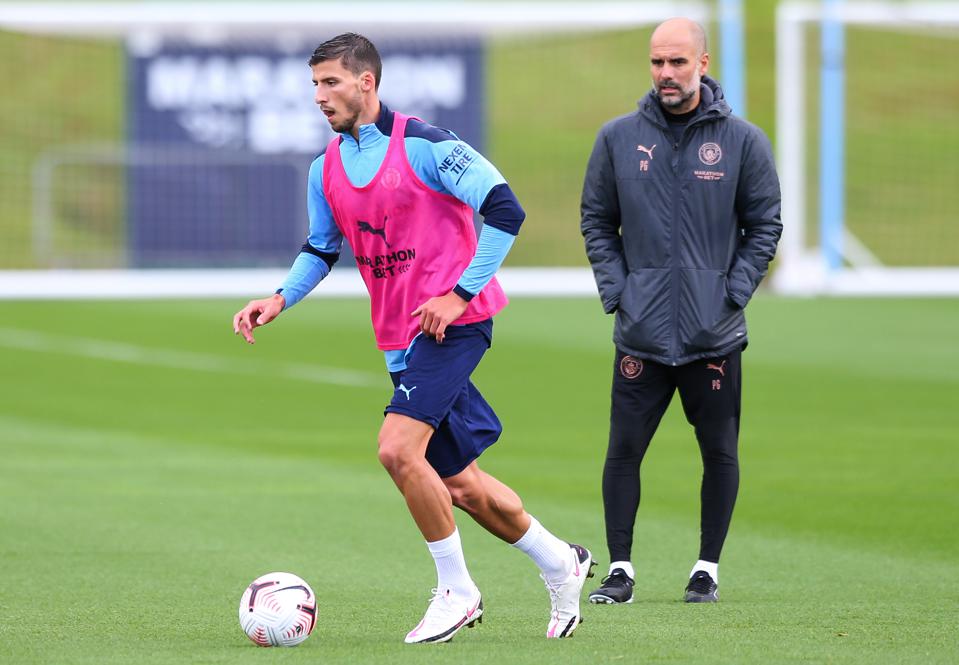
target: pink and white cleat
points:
(564, 596)
(446, 614)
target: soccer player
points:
(680, 213)
(402, 193)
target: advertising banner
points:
(221, 140)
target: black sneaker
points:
(701, 588)
(617, 587)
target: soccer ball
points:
(278, 610)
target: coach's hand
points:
(257, 313)
(437, 313)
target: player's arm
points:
(758, 209)
(600, 224)
(314, 262)
(453, 167)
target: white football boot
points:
(564, 596)
(446, 614)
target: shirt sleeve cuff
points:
(463, 293)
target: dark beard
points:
(348, 124)
(346, 127)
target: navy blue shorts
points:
(435, 388)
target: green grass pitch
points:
(152, 465)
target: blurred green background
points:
(546, 99)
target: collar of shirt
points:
(374, 132)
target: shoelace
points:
(701, 584)
(619, 578)
(437, 595)
(443, 596)
(554, 591)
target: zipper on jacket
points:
(676, 272)
(674, 241)
(674, 231)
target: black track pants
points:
(711, 393)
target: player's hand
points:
(437, 313)
(257, 313)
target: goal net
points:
(866, 103)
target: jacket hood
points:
(712, 101)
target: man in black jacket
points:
(680, 212)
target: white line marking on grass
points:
(31, 340)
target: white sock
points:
(625, 566)
(709, 567)
(451, 572)
(546, 550)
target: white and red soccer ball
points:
(278, 610)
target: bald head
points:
(680, 32)
(677, 61)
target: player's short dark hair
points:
(356, 52)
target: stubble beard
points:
(351, 110)
(685, 95)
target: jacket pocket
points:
(643, 317)
(708, 320)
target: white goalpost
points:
(830, 257)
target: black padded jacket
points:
(679, 235)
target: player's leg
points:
(402, 452)
(425, 391)
(494, 506)
(470, 428)
(641, 393)
(711, 391)
(456, 601)
(498, 509)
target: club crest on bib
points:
(391, 179)
(630, 367)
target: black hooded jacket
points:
(679, 235)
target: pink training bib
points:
(411, 242)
